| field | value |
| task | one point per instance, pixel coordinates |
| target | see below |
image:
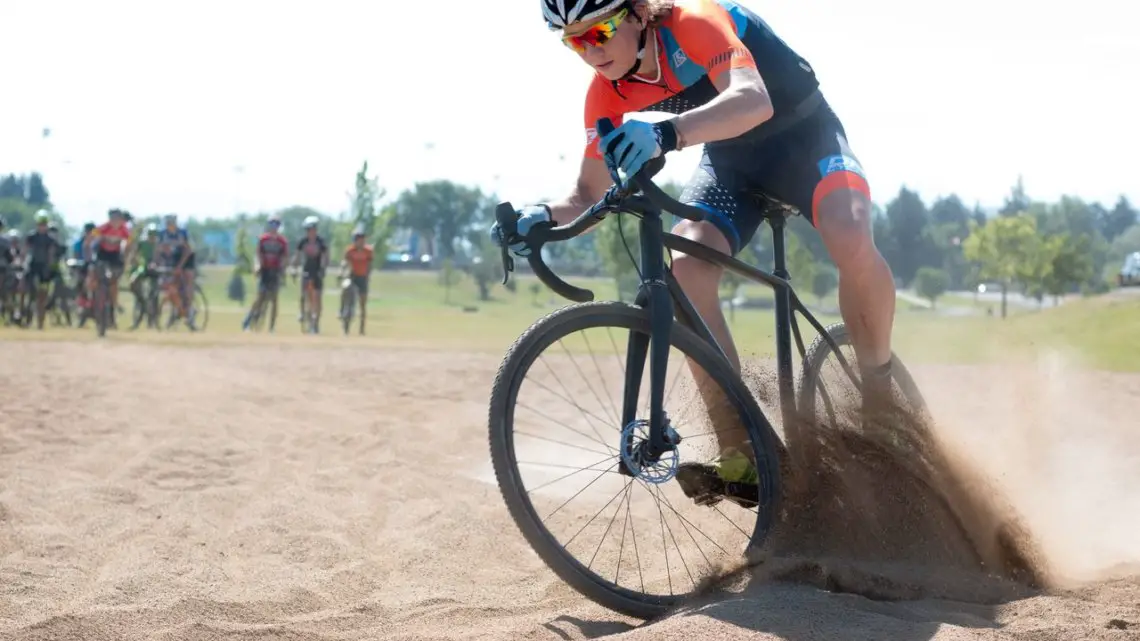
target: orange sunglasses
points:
(597, 34)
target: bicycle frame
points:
(667, 303)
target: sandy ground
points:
(152, 492)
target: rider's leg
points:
(363, 309)
(273, 312)
(700, 281)
(866, 285)
(41, 298)
(841, 210)
(315, 302)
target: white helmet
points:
(310, 222)
(560, 13)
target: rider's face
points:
(618, 53)
(312, 232)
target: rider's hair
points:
(657, 10)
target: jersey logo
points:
(840, 162)
(591, 135)
(679, 58)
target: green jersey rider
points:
(755, 104)
(142, 256)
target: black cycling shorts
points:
(38, 273)
(797, 167)
(361, 283)
(316, 275)
(269, 280)
(113, 259)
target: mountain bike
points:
(308, 316)
(349, 294)
(102, 307)
(643, 449)
(172, 291)
(146, 305)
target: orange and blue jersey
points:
(697, 41)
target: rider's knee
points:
(693, 274)
(843, 218)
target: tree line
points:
(1028, 246)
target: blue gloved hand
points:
(635, 143)
(529, 216)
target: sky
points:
(213, 107)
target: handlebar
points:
(639, 194)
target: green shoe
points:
(732, 476)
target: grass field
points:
(409, 309)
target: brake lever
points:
(508, 263)
(508, 228)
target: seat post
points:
(780, 259)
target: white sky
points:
(153, 104)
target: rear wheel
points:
(102, 303)
(347, 307)
(649, 551)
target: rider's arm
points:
(707, 33)
(593, 181)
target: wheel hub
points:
(635, 453)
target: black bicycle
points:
(102, 307)
(631, 450)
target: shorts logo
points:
(839, 162)
(591, 135)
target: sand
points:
(292, 492)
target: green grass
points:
(407, 309)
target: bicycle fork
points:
(652, 294)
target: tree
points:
(36, 193)
(1118, 220)
(1068, 263)
(1017, 201)
(1001, 249)
(908, 223)
(443, 212)
(930, 283)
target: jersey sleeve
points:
(600, 103)
(707, 33)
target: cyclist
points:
(755, 104)
(272, 254)
(315, 252)
(143, 259)
(7, 265)
(175, 252)
(357, 262)
(79, 255)
(107, 246)
(15, 283)
(42, 252)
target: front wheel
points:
(347, 307)
(648, 518)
